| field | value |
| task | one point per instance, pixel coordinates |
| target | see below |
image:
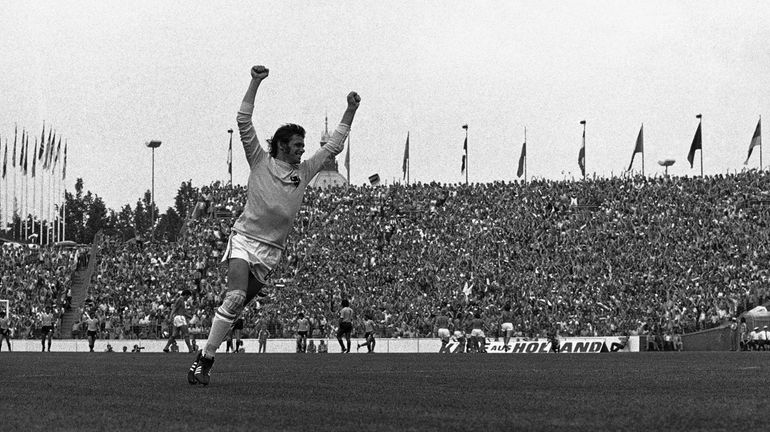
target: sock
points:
(219, 328)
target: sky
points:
(108, 77)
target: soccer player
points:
(507, 324)
(478, 339)
(263, 335)
(46, 322)
(459, 333)
(276, 186)
(442, 326)
(303, 327)
(5, 331)
(92, 329)
(346, 325)
(369, 342)
(178, 316)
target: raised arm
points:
(245, 126)
(336, 143)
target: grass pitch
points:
(386, 392)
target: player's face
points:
(294, 149)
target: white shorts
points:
(262, 257)
(477, 333)
(443, 333)
(507, 327)
(180, 320)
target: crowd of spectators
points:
(34, 277)
(617, 256)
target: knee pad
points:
(233, 304)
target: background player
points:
(178, 316)
(442, 327)
(276, 187)
(507, 324)
(46, 324)
(5, 331)
(346, 325)
(303, 327)
(92, 328)
(369, 343)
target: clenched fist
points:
(259, 72)
(353, 100)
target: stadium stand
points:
(615, 256)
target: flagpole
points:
(760, 143)
(13, 164)
(230, 157)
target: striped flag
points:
(756, 140)
(26, 156)
(58, 148)
(639, 147)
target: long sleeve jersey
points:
(276, 188)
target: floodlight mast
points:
(153, 144)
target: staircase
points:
(81, 280)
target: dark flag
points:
(5, 159)
(374, 179)
(756, 140)
(58, 148)
(64, 167)
(639, 147)
(462, 167)
(13, 158)
(230, 157)
(21, 150)
(696, 145)
(34, 159)
(26, 156)
(523, 156)
(42, 145)
(405, 163)
(347, 157)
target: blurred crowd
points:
(34, 277)
(617, 256)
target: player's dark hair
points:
(283, 135)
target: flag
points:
(42, 145)
(64, 168)
(405, 164)
(696, 145)
(755, 140)
(374, 179)
(21, 150)
(26, 155)
(13, 158)
(462, 167)
(523, 156)
(5, 158)
(58, 148)
(347, 157)
(230, 158)
(34, 159)
(48, 156)
(639, 147)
